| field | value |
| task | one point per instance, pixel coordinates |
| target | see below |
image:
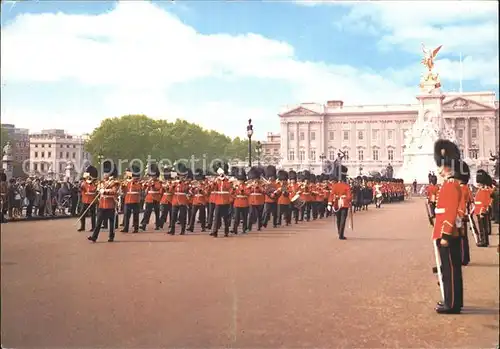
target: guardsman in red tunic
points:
(431, 193)
(463, 208)
(482, 201)
(222, 190)
(241, 202)
(88, 190)
(108, 195)
(445, 234)
(294, 189)
(305, 195)
(132, 190)
(153, 188)
(211, 188)
(341, 200)
(256, 198)
(199, 195)
(284, 198)
(271, 205)
(180, 200)
(166, 196)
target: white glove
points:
(101, 191)
(458, 222)
(329, 208)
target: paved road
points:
(282, 288)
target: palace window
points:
(313, 136)
(375, 134)
(67, 155)
(291, 136)
(43, 146)
(35, 167)
(42, 166)
(360, 155)
(461, 133)
(302, 155)
(43, 154)
(461, 153)
(375, 154)
(36, 154)
(473, 133)
(331, 135)
(346, 155)
(36, 145)
(389, 134)
(331, 155)
(390, 154)
(361, 135)
(473, 153)
(291, 155)
(61, 167)
(312, 155)
(50, 145)
(74, 155)
(61, 154)
(49, 154)
(346, 135)
(301, 136)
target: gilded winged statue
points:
(429, 56)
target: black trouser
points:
(270, 208)
(221, 213)
(314, 209)
(92, 213)
(150, 207)
(178, 213)
(305, 212)
(131, 210)
(284, 210)
(256, 216)
(451, 271)
(105, 215)
(327, 213)
(29, 208)
(296, 214)
(240, 213)
(202, 212)
(166, 211)
(432, 205)
(74, 204)
(488, 219)
(105, 223)
(464, 244)
(341, 220)
(484, 239)
(210, 218)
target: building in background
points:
(372, 136)
(52, 150)
(270, 152)
(20, 142)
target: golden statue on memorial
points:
(429, 81)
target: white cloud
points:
(139, 52)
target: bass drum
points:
(297, 202)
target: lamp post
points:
(249, 134)
(322, 157)
(360, 170)
(258, 149)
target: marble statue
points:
(7, 149)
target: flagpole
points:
(461, 73)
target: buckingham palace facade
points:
(372, 136)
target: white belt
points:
(180, 193)
(133, 192)
(220, 192)
(241, 196)
(256, 194)
(107, 196)
(91, 193)
(439, 210)
(198, 195)
(153, 192)
(478, 202)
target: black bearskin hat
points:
(136, 171)
(292, 175)
(270, 171)
(109, 168)
(482, 177)
(282, 175)
(241, 174)
(312, 178)
(446, 153)
(463, 172)
(253, 173)
(234, 171)
(92, 171)
(153, 170)
(307, 175)
(189, 174)
(301, 176)
(198, 174)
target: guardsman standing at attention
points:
(132, 189)
(256, 198)
(271, 206)
(294, 189)
(153, 189)
(108, 195)
(445, 234)
(241, 202)
(481, 203)
(222, 191)
(284, 198)
(88, 190)
(199, 200)
(463, 208)
(166, 197)
(431, 191)
(341, 200)
(180, 200)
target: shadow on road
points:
(487, 265)
(479, 311)
(133, 241)
(375, 238)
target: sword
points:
(429, 213)
(438, 269)
(351, 218)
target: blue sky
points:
(72, 64)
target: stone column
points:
(466, 137)
(284, 143)
(368, 136)
(308, 141)
(481, 137)
(297, 141)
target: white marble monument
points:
(7, 160)
(418, 154)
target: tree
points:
(4, 138)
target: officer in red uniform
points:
(284, 198)
(153, 188)
(180, 200)
(132, 190)
(341, 200)
(222, 191)
(256, 198)
(108, 191)
(445, 234)
(482, 201)
(463, 208)
(431, 193)
(241, 201)
(88, 190)
(199, 195)
(166, 197)
(271, 205)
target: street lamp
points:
(249, 134)
(258, 149)
(360, 170)
(322, 157)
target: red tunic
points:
(446, 211)
(89, 192)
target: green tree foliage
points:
(4, 137)
(137, 137)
